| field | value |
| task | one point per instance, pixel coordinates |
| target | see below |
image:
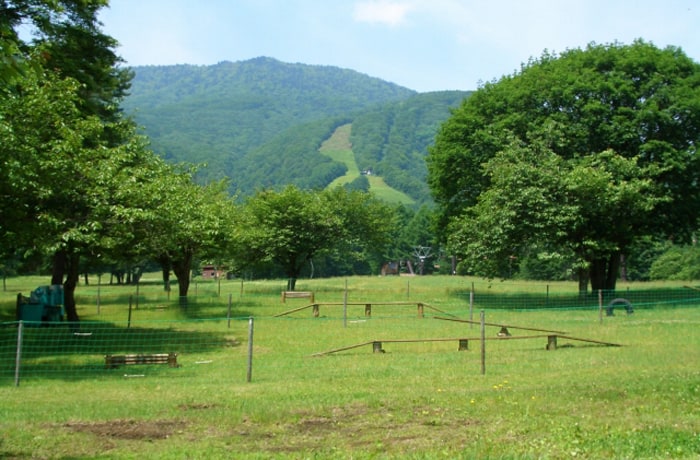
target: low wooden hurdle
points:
(297, 295)
(114, 361)
(316, 307)
(463, 342)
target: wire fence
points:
(211, 336)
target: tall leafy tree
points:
(616, 127)
(188, 221)
(70, 42)
(60, 174)
(586, 207)
(292, 226)
(63, 140)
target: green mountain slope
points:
(393, 140)
(218, 113)
(338, 148)
(261, 122)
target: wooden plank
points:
(316, 306)
(453, 339)
(335, 350)
(330, 304)
(297, 295)
(551, 339)
(438, 310)
(441, 339)
(114, 361)
(610, 344)
(294, 310)
(500, 325)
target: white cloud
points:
(388, 12)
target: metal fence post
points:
(249, 376)
(18, 358)
(230, 301)
(483, 342)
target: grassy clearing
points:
(387, 193)
(339, 148)
(418, 400)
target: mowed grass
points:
(417, 400)
(339, 148)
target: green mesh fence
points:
(96, 349)
(639, 299)
(209, 334)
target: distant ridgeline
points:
(262, 122)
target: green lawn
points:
(417, 400)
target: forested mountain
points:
(392, 140)
(260, 122)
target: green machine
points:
(44, 305)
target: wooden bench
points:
(114, 361)
(298, 295)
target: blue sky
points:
(425, 45)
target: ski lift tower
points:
(421, 253)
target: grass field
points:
(418, 400)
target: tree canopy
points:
(292, 226)
(582, 152)
(77, 183)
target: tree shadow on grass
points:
(75, 351)
(199, 311)
(642, 298)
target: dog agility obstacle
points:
(463, 342)
(316, 307)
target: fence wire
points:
(210, 333)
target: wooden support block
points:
(368, 309)
(316, 309)
(377, 347)
(551, 342)
(420, 310)
(463, 345)
(503, 332)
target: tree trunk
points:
(182, 269)
(583, 276)
(166, 278)
(623, 267)
(58, 268)
(72, 277)
(66, 265)
(165, 267)
(613, 272)
(604, 273)
(292, 271)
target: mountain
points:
(261, 122)
(392, 140)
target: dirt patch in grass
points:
(358, 427)
(128, 429)
(200, 406)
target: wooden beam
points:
(500, 325)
